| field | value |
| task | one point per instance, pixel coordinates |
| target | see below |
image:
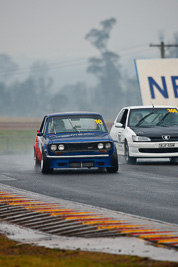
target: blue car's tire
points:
(114, 163)
(174, 160)
(45, 164)
(36, 161)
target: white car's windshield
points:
(152, 117)
(75, 123)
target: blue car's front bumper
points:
(79, 161)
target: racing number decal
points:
(40, 144)
(119, 137)
(173, 110)
(99, 121)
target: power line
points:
(73, 62)
(135, 53)
(70, 63)
(162, 46)
(133, 47)
(58, 65)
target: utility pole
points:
(162, 46)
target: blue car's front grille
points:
(82, 147)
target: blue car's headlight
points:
(108, 145)
(61, 147)
(137, 138)
(104, 145)
(53, 147)
(100, 146)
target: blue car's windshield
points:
(75, 123)
(153, 117)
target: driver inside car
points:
(136, 117)
(57, 126)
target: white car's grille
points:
(158, 150)
(160, 139)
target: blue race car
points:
(74, 140)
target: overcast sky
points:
(54, 30)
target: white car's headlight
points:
(53, 147)
(61, 147)
(140, 138)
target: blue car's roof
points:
(73, 113)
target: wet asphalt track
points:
(148, 189)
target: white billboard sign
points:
(158, 81)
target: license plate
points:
(163, 145)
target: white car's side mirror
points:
(118, 125)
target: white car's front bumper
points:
(153, 149)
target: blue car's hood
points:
(80, 137)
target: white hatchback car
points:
(146, 132)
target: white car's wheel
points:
(128, 159)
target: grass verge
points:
(14, 254)
(19, 140)
(16, 141)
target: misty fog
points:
(38, 94)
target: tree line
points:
(34, 96)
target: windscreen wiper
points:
(159, 123)
(54, 128)
(140, 121)
(74, 127)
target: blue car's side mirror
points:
(40, 134)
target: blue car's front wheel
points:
(114, 162)
(45, 164)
